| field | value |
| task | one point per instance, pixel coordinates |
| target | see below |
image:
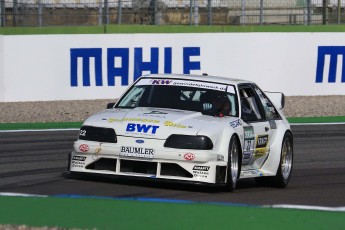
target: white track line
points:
(307, 207)
(20, 194)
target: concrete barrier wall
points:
(77, 67)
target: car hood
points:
(156, 123)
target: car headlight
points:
(188, 142)
(99, 134)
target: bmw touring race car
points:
(187, 128)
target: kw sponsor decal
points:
(160, 82)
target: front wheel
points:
(283, 175)
(232, 173)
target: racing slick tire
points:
(233, 169)
(282, 177)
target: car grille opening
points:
(220, 174)
(171, 169)
(103, 164)
(138, 167)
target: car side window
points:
(249, 105)
(270, 112)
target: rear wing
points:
(277, 98)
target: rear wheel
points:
(282, 178)
(232, 173)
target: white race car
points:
(187, 128)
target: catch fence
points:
(39, 13)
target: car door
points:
(257, 130)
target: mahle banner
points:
(78, 67)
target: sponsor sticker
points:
(156, 112)
(201, 171)
(133, 119)
(248, 147)
(262, 141)
(261, 145)
(160, 81)
(142, 128)
(78, 164)
(189, 156)
(236, 123)
(78, 161)
(194, 84)
(78, 158)
(139, 141)
(201, 168)
(84, 148)
(172, 124)
(137, 152)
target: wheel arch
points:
(240, 156)
(225, 142)
(272, 163)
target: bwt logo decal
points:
(131, 127)
(118, 63)
(333, 52)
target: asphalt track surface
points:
(36, 163)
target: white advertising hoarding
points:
(77, 67)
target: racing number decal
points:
(82, 133)
(247, 145)
(249, 141)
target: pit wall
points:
(102, 66)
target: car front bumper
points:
(171, 164)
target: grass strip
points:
(90, 213)
(47, 125)
(111, 29)
(328, 119)
(65, 125)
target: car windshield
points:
(208, 98)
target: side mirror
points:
(110, 105)
(277, 98)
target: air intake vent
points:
(171, 169)
(90, 133)
(143, 167)
(103, 164)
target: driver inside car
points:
(215, 104)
